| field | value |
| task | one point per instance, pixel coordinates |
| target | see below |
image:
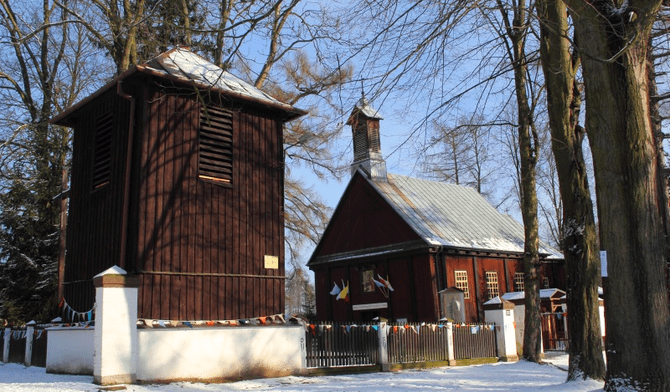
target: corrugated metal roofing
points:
(454, 216)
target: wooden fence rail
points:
(418, 343)
(474, 341)
(334, 344)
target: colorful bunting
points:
(71, 315)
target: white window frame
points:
(461, 277)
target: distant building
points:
(421, 237)
(178, 178)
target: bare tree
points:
(579, 244)
(461, 153)
(516, 20)
(612, 40)
(42, 71)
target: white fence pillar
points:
(5, 348)
(382, 333)
(30, 333)
(450, 344)
(502, 315)
(116, 340)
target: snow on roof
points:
(115, 270)
(544, 294)
(364, 107)
(184, 64)
(514, 296)
(455, 216)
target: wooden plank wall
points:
(200, 245)
(94, 218)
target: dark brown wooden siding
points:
(363, 220)
(413, 279)
(94, 218)
(201, 245)
(198, 246)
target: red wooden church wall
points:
(363, 220)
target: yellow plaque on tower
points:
(271, 262)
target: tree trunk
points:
(613, 47)
(580, 247)
(528, 148)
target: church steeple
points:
(364, 121)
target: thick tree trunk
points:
(580, 246)
(613, 47)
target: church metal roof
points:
(454, 216)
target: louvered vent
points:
(215, 161)
(360, 144)
(374, 139)
(103, 150)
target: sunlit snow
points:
(503, 376)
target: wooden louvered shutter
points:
(102, 158)
(215, 158)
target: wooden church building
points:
(178, 178)
(400, 248)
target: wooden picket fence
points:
(17, 345)
(417, 343)
(334, 344)
(475, 341)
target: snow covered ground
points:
(519, 376)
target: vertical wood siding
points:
(94, 218)
(197, 246)
(201, 245)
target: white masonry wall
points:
(219, 353)
(70, 350)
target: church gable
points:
(363, 220)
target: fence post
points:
(450, 344)
(30, 333)
(383, 347)
(116, 339)
(303, 350)
(501, 313)
(5, 348)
